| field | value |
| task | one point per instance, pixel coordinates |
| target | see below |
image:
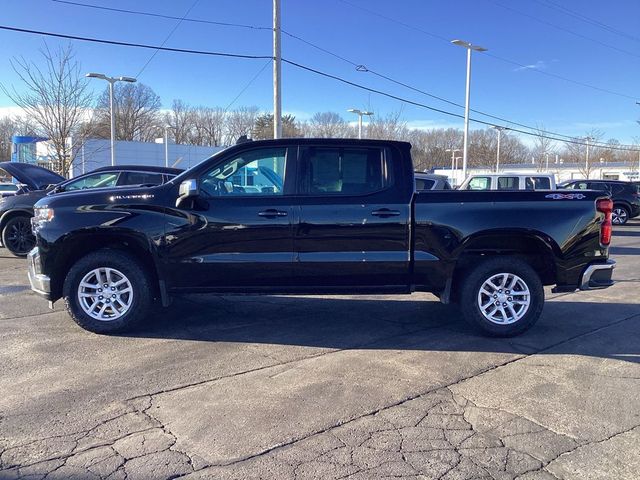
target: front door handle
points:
(385, 212)
(272, 212)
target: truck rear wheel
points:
(107, 291)
(503, 296)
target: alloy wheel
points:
(504, 298)
(105, 294)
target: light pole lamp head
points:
(355, 110)
(127, 79)
(101, 76)
(470, 46)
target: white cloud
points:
(539, 65)
(432, 124)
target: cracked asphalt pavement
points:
(325, 388)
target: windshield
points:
(187, 173)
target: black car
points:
(625, 196)
(37, 182)
(316, 216)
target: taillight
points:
(605, 205)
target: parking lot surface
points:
(324, 387)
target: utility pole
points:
(499, 129)
(277, 72)
(586, 165)
(465, 145)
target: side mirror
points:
(188, 190)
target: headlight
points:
(42, 216)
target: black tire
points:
(142, 292)
(620, 215)
(472, 285)
(17, 236)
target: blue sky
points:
(342, 26)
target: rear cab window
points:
(424, 184)
(537, 183)
(97, 180)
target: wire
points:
(502, 59)
(157, 15)
(255, 77)
(586, 19)
(313, 70)
(153, 55)
(563, 29)
(360, 67)
(137, 45)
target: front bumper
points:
(40, 283)
(597, 275)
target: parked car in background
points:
(16, 211)
(625, 196)
(430, 181)
(8, 189)
(509, 181)
(323, 216)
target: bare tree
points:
(543, 148)
(209, 126)
(240, 122)
(586, 157)
(137, 112)
(56, 98)
(327, 125)
(388, 127)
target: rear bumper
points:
(40, 283)
(597, 276)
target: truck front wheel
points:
(107, 291)
(503, 296)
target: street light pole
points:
(499, 129)
(112, 117)
(465, 144)
(453, 157)
(360, 114)
(166, 145)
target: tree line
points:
(58, 104)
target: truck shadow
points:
(567, 327)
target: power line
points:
(586, 19)
(153, 55)
(158, 15)
(360, 67)
(137, 45)
(255, 77)
(502, 59)
(563, 29)
(310, 69)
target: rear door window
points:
(603, 187)
(508, 183)
(345, 171)
(140, 178)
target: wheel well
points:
(79, 247)
(532, 250)
(624, 204)
(12, 214)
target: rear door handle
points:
(272, 212)
(385, 212)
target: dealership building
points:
(95, 153)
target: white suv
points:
(510, 181)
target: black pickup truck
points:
(305, 216)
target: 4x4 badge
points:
(565, 196)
